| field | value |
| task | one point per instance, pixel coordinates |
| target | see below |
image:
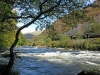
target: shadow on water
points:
(30, 63)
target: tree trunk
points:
(10, 64)
(11, 61)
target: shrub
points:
(63, 41)
(55, 44)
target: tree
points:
(7, 31)
(39, 12)
(92, 28)
(75, 17)
(7, 27)
(48, 42)
(6, 39)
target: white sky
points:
(28, 29)
(32, 27)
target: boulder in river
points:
(90, 72)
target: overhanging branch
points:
(50, 9)
(17, 17)
(40, 6)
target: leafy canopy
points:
(7, 27)
(45, 10)
(5, 9)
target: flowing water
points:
(43, 61)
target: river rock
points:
(90, 72)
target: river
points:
(43, 61)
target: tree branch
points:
(40, 6)
(50, 9)
(17, 17)
(30, 16)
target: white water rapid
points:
(43, 61)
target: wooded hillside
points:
(86, 20)
(68, 31)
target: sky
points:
(32, 27)
(28, 29)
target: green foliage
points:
(67, 42)
(39, 41)
(5, 9)
(94, 27)
(55, 44)
(79, 36)
(48, 42)
(52, 32)
(64, 41)
(7, 26)
(7, 32)
(6, 39)
(85, 44)
(74, 18)
(22, 40)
